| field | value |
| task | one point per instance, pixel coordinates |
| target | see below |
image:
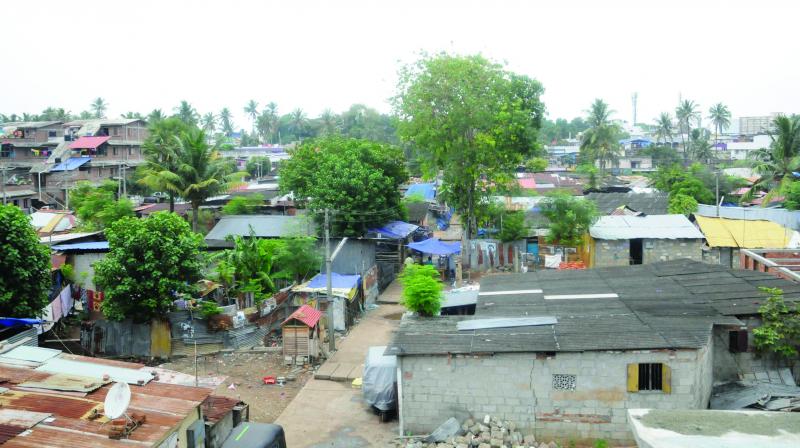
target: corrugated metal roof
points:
(71, 164)
(88, 142)
(723, 232)
(650, 226)
(216, 406)
(66, 382)
(647, 203)
(8, 432)
(89, 245)
(306, 315)
(264, 226)
(26, 419)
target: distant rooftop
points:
(647, 203)
(264, 226)
(669, 305)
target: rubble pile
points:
(490, 432)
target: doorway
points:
(636, 254)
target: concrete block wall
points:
(655, 250)
(611, 253)
(519, 388)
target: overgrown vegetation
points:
(24, 266)
(514, 227)
(422, 289)
(151, 263)
(681, 204)
(209, 308)
(244, 205)
(779, 332)
(97, 207)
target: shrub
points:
(208, 309)
(422, 290)
(681, 204)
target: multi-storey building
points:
(23, 146)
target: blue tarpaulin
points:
(435, 247)
(88, 246)
(71, 164)
(16, 322)
(395, 230)
(337, 281)
(427, 191)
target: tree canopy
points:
(570, 218)
(244, 205)
(471, 119)
(149, 263)
(357, 180)
(24, 266)
(97, 207)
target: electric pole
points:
(331, 334)
(717, 195)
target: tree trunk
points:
(195, 212)
(172, 202)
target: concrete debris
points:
(486, 432)
(763, 396)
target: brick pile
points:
(490, 432)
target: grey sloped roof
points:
(671, 304)
(264, 226)
(649, 226)
(647, 203)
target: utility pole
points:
(331, 333)
(717, 188)
(5, 199)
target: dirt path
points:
(332, 414)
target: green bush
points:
(208, 309)
(681, 204)
(422, 290)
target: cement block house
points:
(628, 240)
(609, 339)
(23, 146)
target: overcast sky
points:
(143, 54)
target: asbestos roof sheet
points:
(99, 246)
(264, 226)
(667, 305)
(35, 354)
(724, 232)
(647, 203)
(130, 376)
(649, 226)
(66, 382)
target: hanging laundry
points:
(66, 301)
(56, 305)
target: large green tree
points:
(149, 263)
(187, 113)
(24, 266)
(357, 180)
(97, 206)
(569, 218)
(471, 119)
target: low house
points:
(565, 354)
(725, 237)
(301, 334)
(50, 398)
(264, 226)
(348, 299)
(625, 240)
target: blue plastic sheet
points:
(435, 247)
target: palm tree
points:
(99, 107)
(298, 122)
(187, 113)
(201, 172)
(776, 164)
(209, 122)
(264, 126)
(155, 116)
(663, 128)
(702, 151)
(601, 141)
(328, 122)
(272, 112)
(599, 113)
(226, 121)
(161, 154)
(685, 113)
(720, 117)
(132, 115)
(251, 109)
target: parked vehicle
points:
(256, 435)
(379, 384)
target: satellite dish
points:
(117, 400)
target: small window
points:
(737, 341)
(52, 134)
(649, 376)
(564, 382)
(114, 150)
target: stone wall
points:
(520, 388)
(609, 253)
